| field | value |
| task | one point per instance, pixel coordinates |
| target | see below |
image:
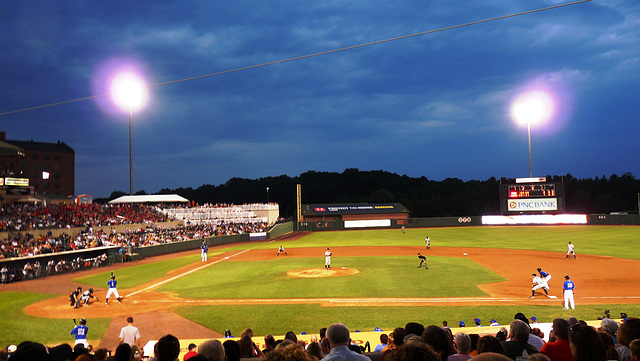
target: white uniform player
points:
(570, 250)
(538, 283)
(327, 259)
(567, 288)
(427, 242)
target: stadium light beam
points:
(535, 107)
(129, 92)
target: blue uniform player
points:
(422, 259)
(546, 277)
(112, 290)
(81, 332)
(568, 288)
(203, 251)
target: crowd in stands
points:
(569, 340)
(17, 217)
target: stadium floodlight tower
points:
(129, 92)
(534, 107)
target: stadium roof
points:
(150, 198)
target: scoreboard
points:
(532, 198)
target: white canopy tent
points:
(151, 198)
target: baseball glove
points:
(98, 299)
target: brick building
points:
(49, 168)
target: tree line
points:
(422, 196)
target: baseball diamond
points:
(152, 306)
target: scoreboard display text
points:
(532, 198)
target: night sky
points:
(435, 105)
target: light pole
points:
(533, 107)
(129, 92)
(267, 195)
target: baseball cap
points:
(476, 320)
(534, 318)
(461, 323)
(566, 277)
(493, 321)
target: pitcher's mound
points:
(321, 272)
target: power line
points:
(307, 56)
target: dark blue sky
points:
(435, 105)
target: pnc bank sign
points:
(533, 204)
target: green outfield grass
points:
(17, 326)
(139, 274)
(396, 276)
(278, 319)
(380, 277)
(615, 241)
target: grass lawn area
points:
(17, 326)
(268, 279)
(278, 319)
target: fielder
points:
(538, 283)
(422, 259)
(203, 251)
(546, 277)
(427, 242)
(327, 259)
(112, 290)
(281, 249)
(81, 332)
(567, 289)
(570, 250)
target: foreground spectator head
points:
(634, 346)
(315, 350)
(62, 352)
(585, 344)
(561, 328)
(338, 334)
(232, 350)
(572, 321)
(490, 343)
(291, 336)
(414, 351)
(491, 356)
(463, 343)
(629, 331)
(414, 328)
(246, 347)
(439, 341)
(168, 348)
(101, 354)
(609, 346)
(212, 349)
(30, 351)
(538, 357)
(123, 352)
(292, 352)
(518, 330)
(609, 326)
(398, 336)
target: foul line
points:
(186, 273)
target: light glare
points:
(129, 91)
(532, 108)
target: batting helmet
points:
(83, 321)
(90, 290)
(539, 269)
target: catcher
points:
(87, 295)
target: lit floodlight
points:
(129, 91)
(532, 108)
